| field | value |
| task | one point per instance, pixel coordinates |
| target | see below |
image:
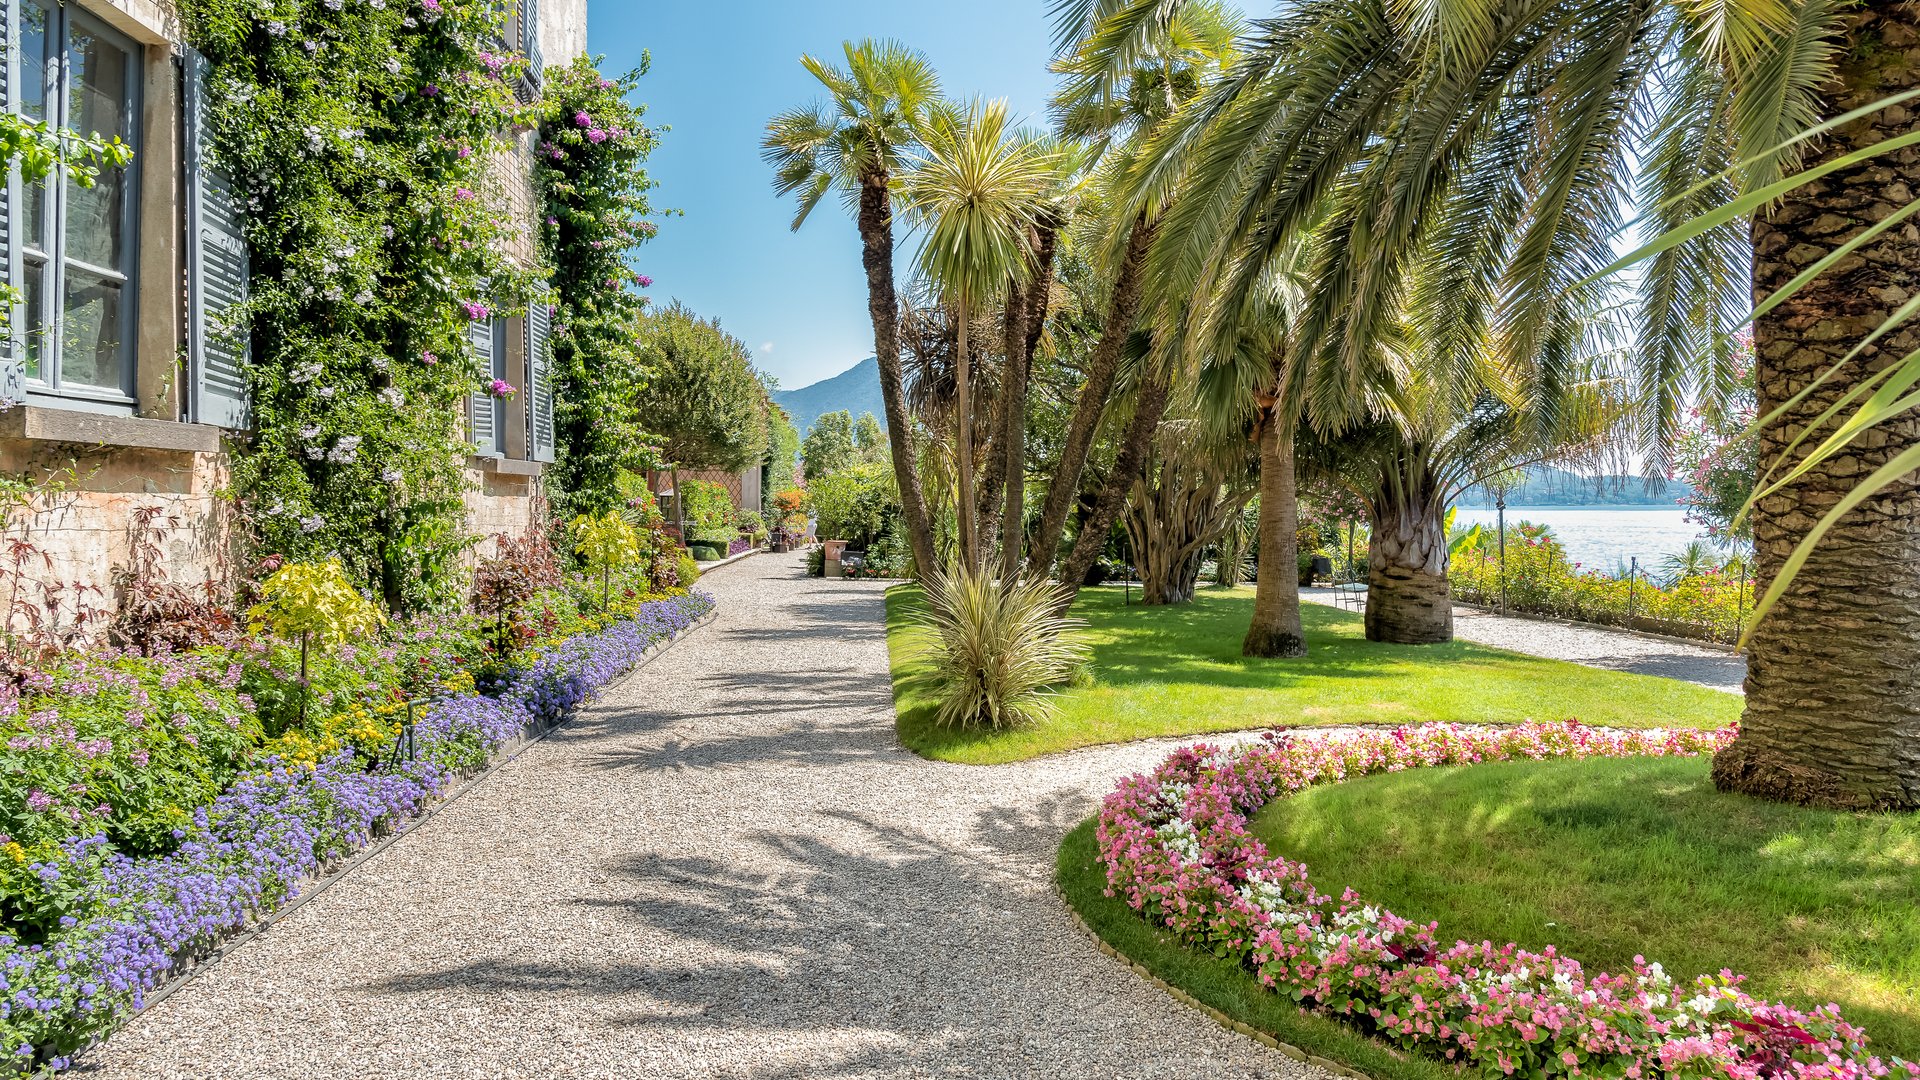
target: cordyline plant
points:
(1000, 647)
(312, 604)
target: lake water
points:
(1600, 537)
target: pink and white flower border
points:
(1177, 849)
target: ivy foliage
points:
(365, 137)
(591, 177)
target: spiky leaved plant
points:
(1000, 647)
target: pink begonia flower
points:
(582, 119)
(1177, 849)
(462, 194)
(429, 358)
(644, 281)
(475, 310)
(500, 388)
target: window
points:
(487, 414)
(78, 245)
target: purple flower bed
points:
(737, 545)
(1178, 850)
(263, 840)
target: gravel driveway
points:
(728, 868)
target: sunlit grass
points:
(1178, 671)
(1609, 859)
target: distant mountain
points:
(856, 390)
(1548, 486)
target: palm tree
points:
(1697, 559)
(854, 142)
(1833, 671)
(1116, 115)
(1402, 101)
(978, 188)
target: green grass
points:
(1606, 859)
(1220, 983)
(1178, 671)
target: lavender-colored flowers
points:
(263, 840)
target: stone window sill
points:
(43, 424)
(506, 466)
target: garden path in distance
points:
(728, 867)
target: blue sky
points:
(720, 70)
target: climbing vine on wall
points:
(359, 134)
(590, 174)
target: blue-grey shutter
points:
(480, 408)
(13, 360)
(539, 391)
(530, 28)
(218, 351)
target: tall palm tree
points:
(1115, 116)
(1405, 99)
(1833, 671)
(977, 187)
(854, 142)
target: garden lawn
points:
(1160, 671)
(1608, 859)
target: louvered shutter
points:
(539, 392)
(217, 350)
(481, 419)
(530, 30)
(13, 360)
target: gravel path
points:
(1592, 645)
(728, 868)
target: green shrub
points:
(689, 571)
(857, 504)
(999, 648)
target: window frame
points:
(49, 386)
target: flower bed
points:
(1177, 848)
(136, 922)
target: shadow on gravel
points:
(949, 948)
(1726, 673)
(774, 721)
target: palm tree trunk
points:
(963, 448)
(1038, 294)
(1122, 308)
(993, 481)
(1147, 411)
(1408, 597)
(1833, 672)
(876, 236)
(1275, 630)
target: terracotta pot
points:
(834, 548)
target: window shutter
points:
(217, 351)
(480, 410)
(13, 360)
(539, 391)
(530, 28)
